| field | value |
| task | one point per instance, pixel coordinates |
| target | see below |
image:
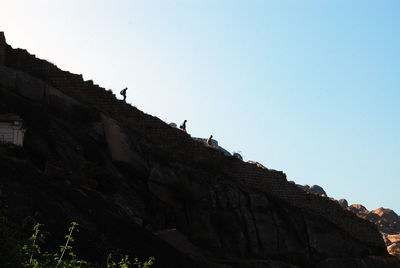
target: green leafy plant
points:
(67, 258)
(16, 251)
(32, 248)
(126, 263)
(72, 261)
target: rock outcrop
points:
(215, 144)
(343, 203)
(314, 189)
(393, 244)
(387, 221)
(135, 183)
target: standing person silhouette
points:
(183, 126)
(123, 93)
(209, 140)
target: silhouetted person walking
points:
(183, 126)
(123, 93)
(209, 140)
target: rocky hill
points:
(137, 184)
(387, 221)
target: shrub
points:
(34, 257)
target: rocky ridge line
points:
(387, 221)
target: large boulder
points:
(122, 148)
(386, 214)
(358, 209)
(314, 189)
(343, 203)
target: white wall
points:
(11, 133)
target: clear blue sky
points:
(311, 88)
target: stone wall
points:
(276, 184)
(178, 145)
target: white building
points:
(12, 129)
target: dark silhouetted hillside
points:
(137, 184)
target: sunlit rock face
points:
(393, 244)
(358, 209)
(387, 221)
